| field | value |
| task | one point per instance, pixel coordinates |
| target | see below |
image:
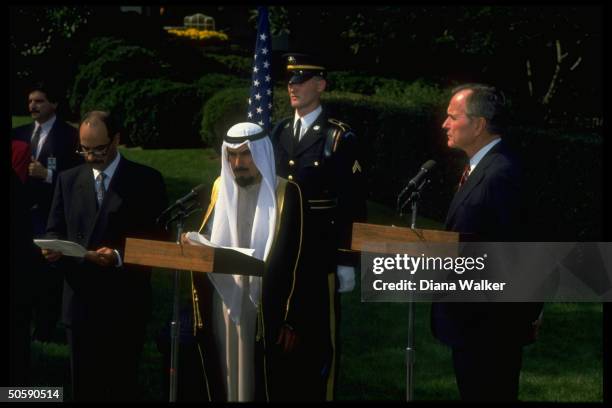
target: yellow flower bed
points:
(196, 34)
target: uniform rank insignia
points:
(356, 167)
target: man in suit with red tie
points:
(106, 304)
(486, 339)
(52, 145)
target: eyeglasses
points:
(98, 151)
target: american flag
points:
(260, 99)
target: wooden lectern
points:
(383, 239)
(197, 258)
(392, 240)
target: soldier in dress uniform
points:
(320, 154)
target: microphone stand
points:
(414, 198)
(175, 325)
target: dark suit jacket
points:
(489, 205)
(134, 199)
(25, 257)
(61, 143)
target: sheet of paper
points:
(67, 248)
(199, 239)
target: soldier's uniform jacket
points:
(326, 165)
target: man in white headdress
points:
(241, 318)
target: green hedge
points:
(564, 182)
(417, 93)
(221, 112)
(111, 61)
(210, 84)
(156, 113)
(229, 107)
(232, 64)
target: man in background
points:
(52, 149)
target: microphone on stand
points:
(416, 180)
(180, 203)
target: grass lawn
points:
(565, 364)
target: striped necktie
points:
(34, 141)
(464, 176)
(100, 188)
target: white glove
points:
(346, 277)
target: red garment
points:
(20, 158)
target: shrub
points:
(221, 112)
(417, 93)
(350, 81)
(229, 107)
(156, 113)
(232, 64)
(210, 84)
(115, 63)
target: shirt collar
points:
(46, 127)
(307, 120)
(481, 153)
(110, 170)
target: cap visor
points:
(298, 79)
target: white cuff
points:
(346, 278)
(49, 178)
(119, 261)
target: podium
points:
(389, 240)
(195, 258)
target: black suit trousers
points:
(104, 361)
(488, 373)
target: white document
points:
(67, 248)
(199, 239)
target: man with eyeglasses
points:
(106, 303)
(52, 143)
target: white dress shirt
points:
(44, 132)
(481, 153)
(307, 120)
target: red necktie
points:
(464, 176)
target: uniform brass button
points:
(291, 162)
(316, 163)
(290, 177)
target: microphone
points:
(416, 180)
(194, 193)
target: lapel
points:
(472, 181)
(312, 135)
(28, 133)
(286, 138)
(86, 207)
(112, 201)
